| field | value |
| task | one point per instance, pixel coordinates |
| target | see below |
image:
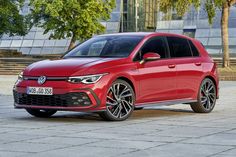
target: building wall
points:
(195, 24)
(37, 43)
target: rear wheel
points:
(119, 102)
(206, 97)
(41, 113)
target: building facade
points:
(143, 15)
(195, 24)
(131, 16)
(37, 43)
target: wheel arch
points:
(214, 81)
(128, 81)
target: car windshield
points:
(106, 46)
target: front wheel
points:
(41, 113)
(119, 101)
(206, 97)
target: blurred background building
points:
(131, 16)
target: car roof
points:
(146, 34)
(128, 34)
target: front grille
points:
(48, 78)
(60, 100)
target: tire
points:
(206, 97)
(41, 113)
(119, 102)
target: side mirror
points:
(150, 56)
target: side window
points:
(194, 49)
(156, 45)
(179, 47)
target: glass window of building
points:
(202, 33)
(35, 51)
(204, 41)
(25, 50)
(58, 50)
(40, 35)
(38, 43)
(61, 43)
(47, 50)
(214, 42)
(30, 35)
(16, 43)
(215, 32)
(49, 43)
(5, 43)
(27, 43)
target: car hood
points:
(65, 67)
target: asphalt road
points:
(173, 131)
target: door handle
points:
(171, 66)
(198, 64)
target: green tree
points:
(211, 6)
(75, 19)
(224, 6)
(11, 21)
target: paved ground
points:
(172, 131)
(6, 84)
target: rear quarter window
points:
(194, 49)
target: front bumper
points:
(66, 96)
(75, 101)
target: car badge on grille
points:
(42, 80)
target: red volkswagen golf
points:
(114, 74)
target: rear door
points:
(188, 66)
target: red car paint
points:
(165, 80)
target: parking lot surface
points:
(165, 131)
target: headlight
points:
(89, 79)
(20, 76)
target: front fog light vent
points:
(80, 99)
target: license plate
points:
(40, 90)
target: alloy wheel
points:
(120, 101)
(208, 95)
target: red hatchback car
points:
(114, 74)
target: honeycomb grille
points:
(60, 100)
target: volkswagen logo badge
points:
(42, 80)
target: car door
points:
(188, 67)
(156, 78)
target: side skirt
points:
(165, 103)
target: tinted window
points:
(179, 47)
(193, 48)
(106, 46)
(156, 45)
